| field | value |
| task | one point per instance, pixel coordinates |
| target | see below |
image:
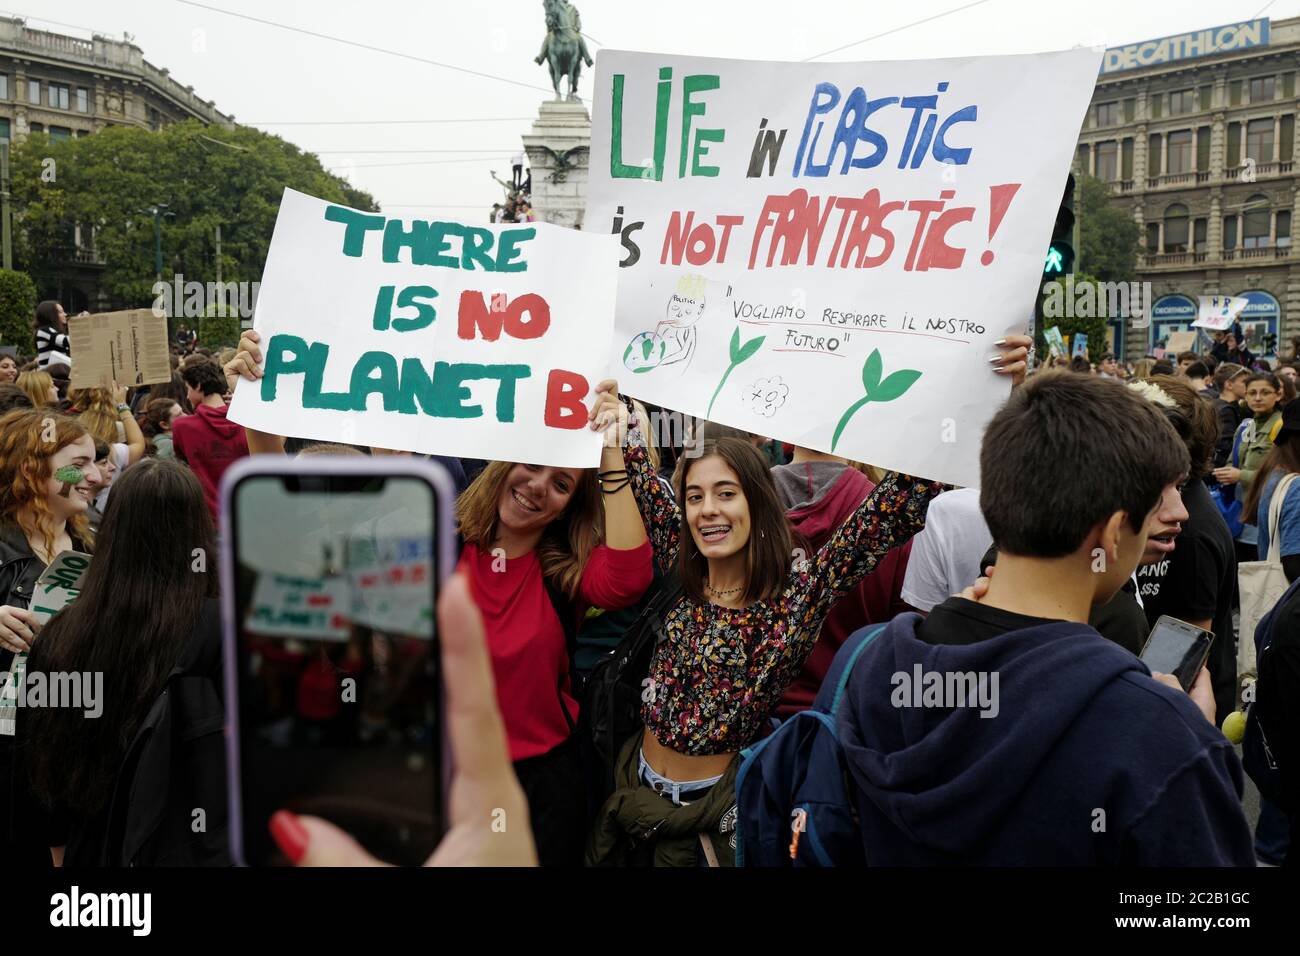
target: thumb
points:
(311, 841)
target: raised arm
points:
(659, 512)
(247, 363)
(624, 529)
(889, 516)
(135, 440)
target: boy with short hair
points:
(207, 441)
(1078, 756)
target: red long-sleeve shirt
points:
(526, 639)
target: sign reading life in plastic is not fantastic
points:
(827, 253)
(431, 336)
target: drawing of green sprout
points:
(738, 354)
(877, 391)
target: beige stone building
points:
(66, 86)
(1196, 135)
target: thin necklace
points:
(717, 593)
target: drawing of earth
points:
(644, 352)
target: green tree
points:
(1108, 236)
(207, 176)
(17, 311)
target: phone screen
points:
(335, 581)
(1177, 648)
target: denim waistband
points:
(673, 790)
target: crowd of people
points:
(763, 582)
(518, 205)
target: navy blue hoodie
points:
(1080, 727)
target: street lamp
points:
(157, 210)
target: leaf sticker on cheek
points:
(69, 475)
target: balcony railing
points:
(1259, 252)
(1119, 187)
(87, 257)
(1175, 258)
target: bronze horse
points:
(563, 48)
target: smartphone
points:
(1176, 647)
(330, 569)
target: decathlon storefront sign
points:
(1187, 46)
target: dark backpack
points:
(1257, 757)
(797, 779)
(611, 699)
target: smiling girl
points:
(543, 544)
(47, 480)
(749, 615)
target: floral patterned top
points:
(720, 672)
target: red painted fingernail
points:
(289, 835)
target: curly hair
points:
(95, 408)
(25, 472)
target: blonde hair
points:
(36, 384)
(567, 542)
(96, 410)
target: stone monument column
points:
(558, 150)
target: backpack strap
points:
(867, 636)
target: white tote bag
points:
(1261, 584)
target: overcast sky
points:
(282, 80)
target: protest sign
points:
(826, 253)
(1055, 343)
(391, 581)
(129, 348)
(286, 605)
(1079, 341)
(1218, 312)
(441, 337)
(57, 587)
(1180, 342)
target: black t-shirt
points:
(1121, 620)
(959, 621)
(1198, 582)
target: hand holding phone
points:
(488, 814)
(1177, 648)
(330, 571)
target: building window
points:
(4, 86)
(1180, 152)
(83, 100)
(1284, 228)
(1108, 161)
(1229, 232)
(1259, 140)
(4, 129)
(1182, 101)
(1153, 237)
(59, 96)
(1176, 228)
(155, 119)
(1107, 114)
(34, 92)
(36, 127)
(60, 133)
(1199, 235)
(1262, 89)
(1254, 222)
